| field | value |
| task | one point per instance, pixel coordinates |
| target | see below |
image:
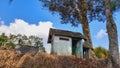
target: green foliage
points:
(10, 40)
(113, 5)
(72, 10)
(3, 39)
(101, 53)
(97, 9)
(42, 49)
(38, 43)
(20, 41)
(26, 40)
(10, 44)
(69, 10)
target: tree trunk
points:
(85, 24)
(86, 31)
(112, 35)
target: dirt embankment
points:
(11, 59)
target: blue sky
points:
(32, 14)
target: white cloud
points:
(21, 27)
(101, 34)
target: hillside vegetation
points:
(11, 59)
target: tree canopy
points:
(97, 9)
(101, 52)
(69, 10)
(12, 40)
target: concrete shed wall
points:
(62, 45)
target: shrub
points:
(10, 44)
(101, 53)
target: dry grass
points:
(8, 58)
(11, 59)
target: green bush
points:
(0, 43)
(12, 45)
(101, 52)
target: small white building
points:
(67, 43)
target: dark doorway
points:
(74, 46)
(85, 52)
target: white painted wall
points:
(62, 47)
